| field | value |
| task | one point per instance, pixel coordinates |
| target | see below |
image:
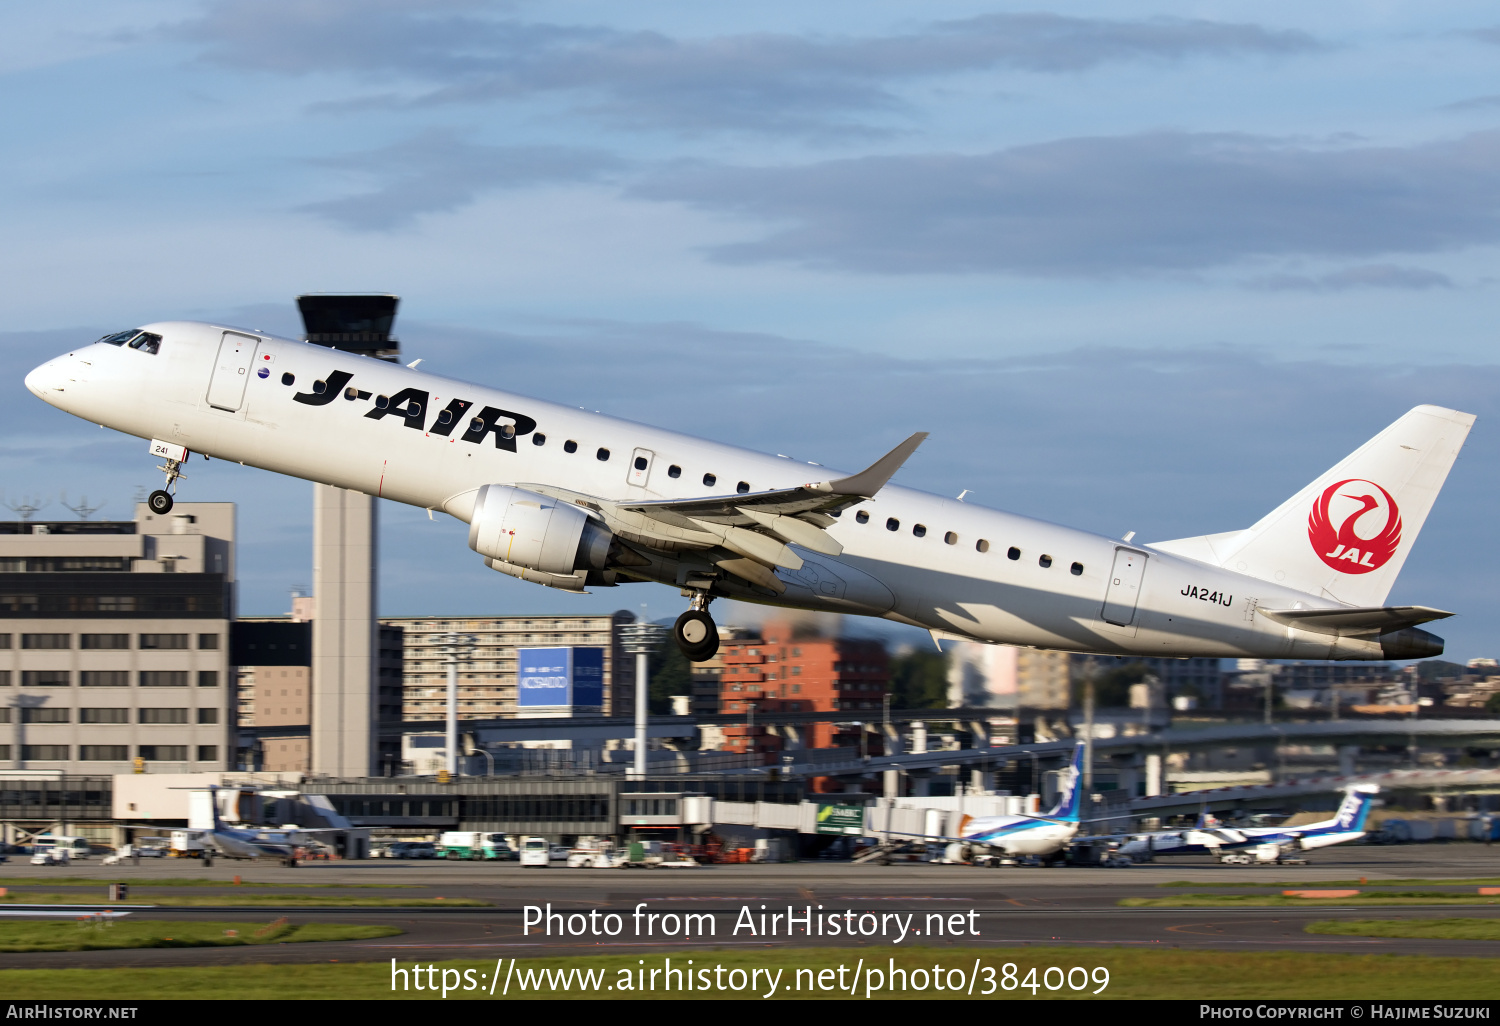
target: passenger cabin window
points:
(146, 343)
(920, 530)
(1012, 553)
(892, 524)
(288, 378)
(710, 480)
(570, 446)
(641, 463)
(602, 455)
(1044, 561)
(1076, 569)
(981, 546)
(950, 538)
(445, 417)
(862, 517)
(674, 471)
(538, 439)
(742, 487)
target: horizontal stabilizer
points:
(1355, 621)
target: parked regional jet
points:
(1244, 845)
(566, 498)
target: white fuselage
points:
(917, 558)
(1020, 835)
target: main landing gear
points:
(695, 632)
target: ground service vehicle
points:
(535, 852)
(473, 844)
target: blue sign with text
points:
(555, 678)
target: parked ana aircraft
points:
(1256, 843)
(1041, 835)
(567, 498)
(241, 843)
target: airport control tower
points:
(344, 633)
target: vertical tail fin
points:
(1347, 535)
(1069, 799)
(1355, 808)
(213, 805)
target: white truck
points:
(473, 844)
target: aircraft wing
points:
(755, 528)
(770, 511)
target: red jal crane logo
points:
(1361, 532)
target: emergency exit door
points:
(1124, 589)
(640, 467)
(226, 389)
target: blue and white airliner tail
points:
(1045, 834)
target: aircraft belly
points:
(827, 583)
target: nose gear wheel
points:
(161, 500)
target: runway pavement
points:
(1010, 906)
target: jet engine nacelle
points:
(527, 529)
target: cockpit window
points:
(146, 343)
(119, 338)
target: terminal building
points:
(114, 642)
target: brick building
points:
(790, 669)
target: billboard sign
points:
(560, 678)
(840, 819)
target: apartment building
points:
(114, 642)
(789, 669)
(487, 677)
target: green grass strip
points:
(247, 900)
(1282, 901)
(1482, 881)
(83, 881)
(1436, 929)
(1134, 973)
(70, 936)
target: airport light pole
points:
(1088, 728)
(641, 639)
(455, 647)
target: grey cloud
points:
(1475, 103)
(1378, 276)
(1148, 203)
(437, 171)
(467, 51)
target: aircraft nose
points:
(48, 378)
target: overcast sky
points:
(1136, 267)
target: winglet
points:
(869, 481)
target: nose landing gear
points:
(160, 501)
(695, 632)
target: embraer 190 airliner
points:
(571, 499)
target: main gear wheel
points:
(696, 635)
